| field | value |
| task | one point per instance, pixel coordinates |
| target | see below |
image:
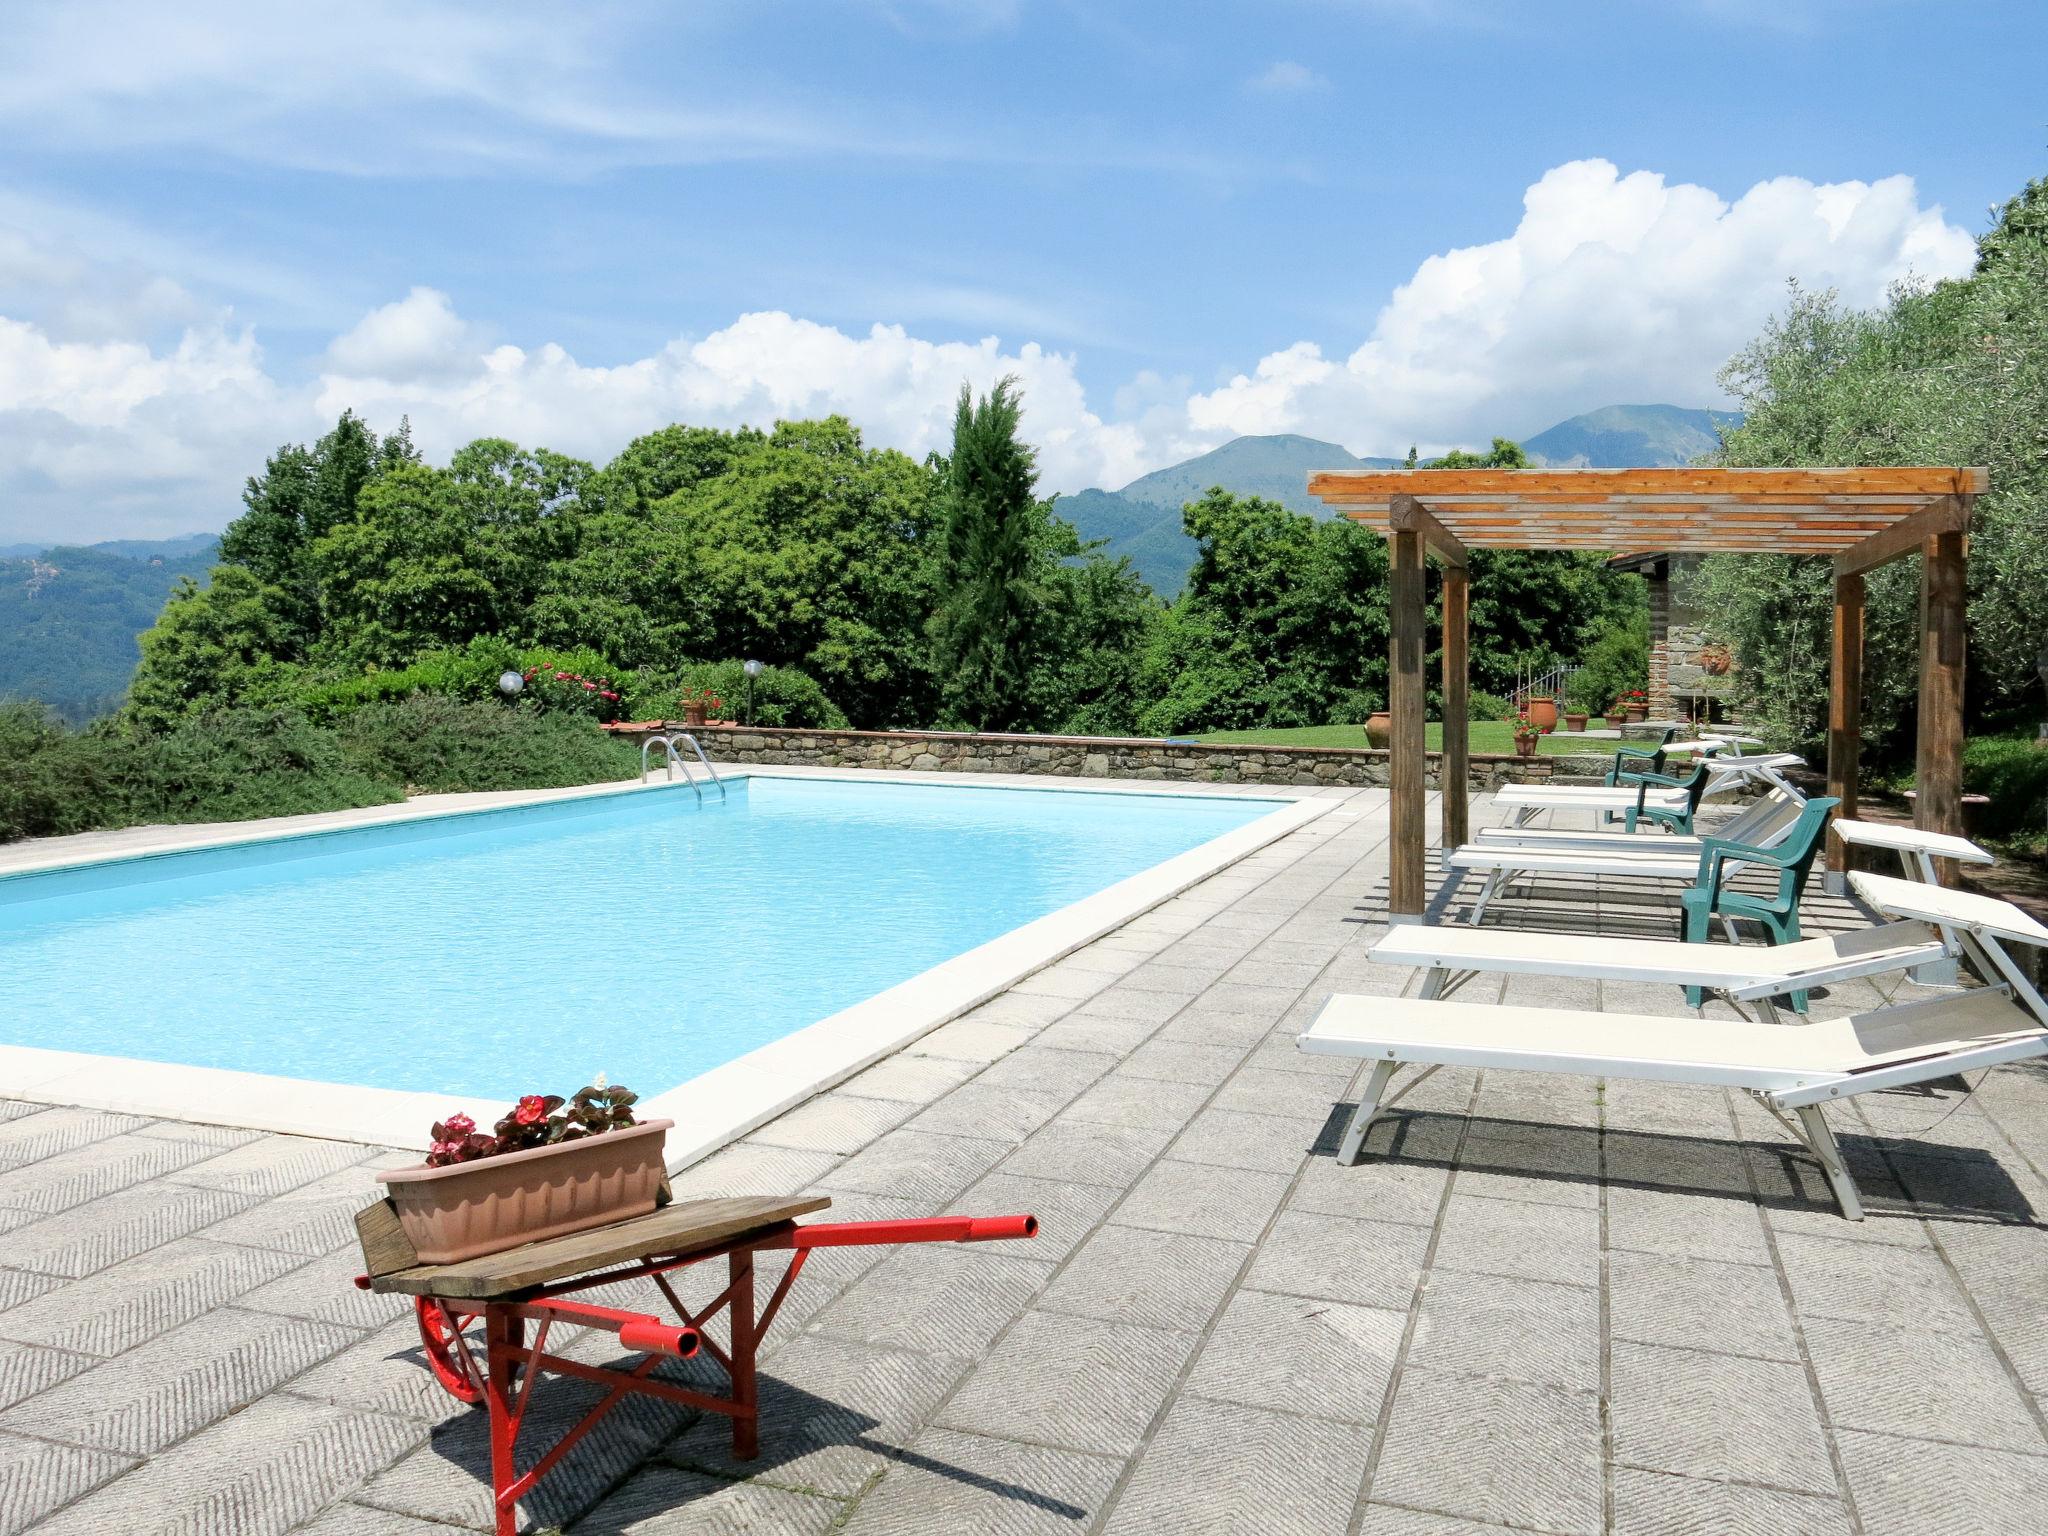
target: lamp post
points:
(753, 670)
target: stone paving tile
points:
(1913, 1487)
(1911, 1381)
(936, 1300)
(121, 1307)
(178, 1382)
(1525, 1455)
(2003, 1268)
(18, 1285)
(1264, 1091)
(832, 1413)
(1868, 1283)
(1232, 1139)
(1513, 1237)
(1699, 1304)
(1150, 1005)
(36, 1477)
(947, 1482)
(668, 1501)
(1660, 1504)
(1071, 1382)
(313, 1219)
(220, 1136)
(1093, 1153)
(1066, 1212)
(915, 1163)
(1042, 1069)
(262, 1470)
(984, 1109)
(1683, 1226)
(1708, 1415)
(1097, 1035)
(1517, 1330)
(274, 1164)
(97, 1169)
(1178, 1061)
(35, 1137)
(973, 1039)
(383, 1372)
(1367, 1263)
(348, 1519)
(77, 1242)
(1388, 1520)
(909, 1079)
(1121, 1100)
(840, 1122)
(1409, 1193)
(752, 1168)
(1230, 1203)
(1161, 1279)
(1293, 1355)
(1223, 1467)
(26, 1369)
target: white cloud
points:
(1610, 289)
(1287, 78)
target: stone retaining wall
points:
(1086, 757)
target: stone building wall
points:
(1083, 757)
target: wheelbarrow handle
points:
(921, 1229)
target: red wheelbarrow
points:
(473, 1315)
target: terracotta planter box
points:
(494, 1203)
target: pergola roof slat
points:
(1762, 511)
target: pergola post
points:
(1405, 703)
(1938, 763)
(1454, 774)
(1845, 712)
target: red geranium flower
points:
(532, 1110)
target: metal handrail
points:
(675, 764)
(698, 748)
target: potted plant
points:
(1379, 729)
(1542, 711)
(697, 705)
(1527, 732)
(1638, 705)
(548, 1167)
(1574, 722)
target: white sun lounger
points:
(1796, 1067)
(1527, 801)
(1751, 825)
(1740, 972)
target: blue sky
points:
(1382, 222)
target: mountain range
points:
(69, 615)
(1142, 521)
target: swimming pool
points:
(643, 935)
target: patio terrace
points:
(1540, 1304)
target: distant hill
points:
(69, 616)
(1143, 522)
(1631, 437)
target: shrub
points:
(438, 745)
(1617, 663)
(469, 673)
(1480, 705)
(2013, 772)
(237, 765)
(781, 695)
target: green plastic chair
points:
(1675, 818)
(1778, 913)
(1640, 759)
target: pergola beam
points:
(1407, 515)
(1950, 514)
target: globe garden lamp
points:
(510, 684)
(753, 670)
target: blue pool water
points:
(645, 937)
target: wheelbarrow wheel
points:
(453, 1366)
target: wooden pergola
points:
(1864, 518)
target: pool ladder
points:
(677, 765)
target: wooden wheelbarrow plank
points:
(687, 1227)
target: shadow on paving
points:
(795, 1425)
(1898, 1177)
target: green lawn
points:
(1485, 736)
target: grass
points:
(1485, 736)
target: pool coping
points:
(714, 1108)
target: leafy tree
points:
(1952, 374)
(211, 647)
(996, 547)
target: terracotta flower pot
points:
(1525, 743)
(1379, 729)
(1575, 722)
(494, 1203)
(693, 714)
(1543, 711)
(1638, 712)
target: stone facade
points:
(1084, 757)
(1680, 687)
